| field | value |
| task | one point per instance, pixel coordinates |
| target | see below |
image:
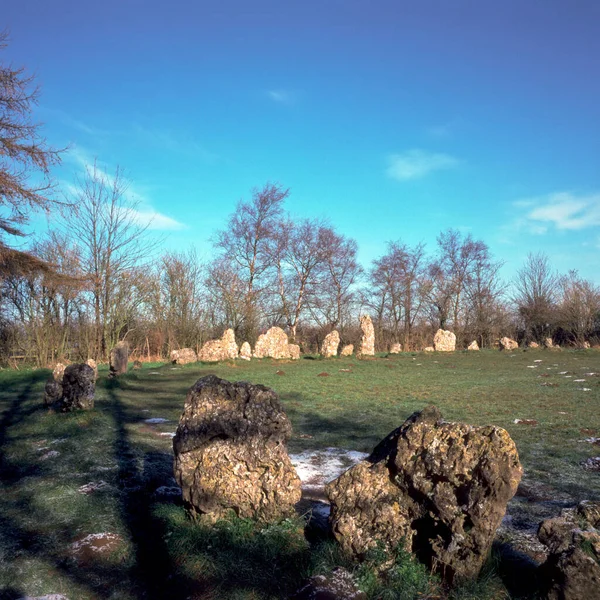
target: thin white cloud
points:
(414, 164)
(155, 220)
(140, 208)
(281, 96)
(564, 211)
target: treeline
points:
(108, 282)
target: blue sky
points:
(394, 120)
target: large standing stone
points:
(548, 343)
(90, 362)
(230, 452)
(183, 356)
(294, 350)
(52, 392)
(224, 348)
(507, 343)
(347, 350)
(245, 351)
(533, 345)
(444, 341)
(473, 345)
(78, 388)
(367, 341)
(273, 344)
(439, 488)
(396, 348)
(330, 344)
(572, 571)
(119, 357)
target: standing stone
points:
(119, 356)
(330, 344)
(183, 356)
(548, 343)
(473, 345)
(395, 348)
(572, 570)
(78, 388)
(230, 452)
(507, 343)
(367, 341)
(586, 345)
(347, 350)
(224, 348)
(245, 351)
(439, 488)
(52, 392)
(444, 341)
(90, 362)
(429, 349)
(58, 372)
(294, 351)
(533, 345)
(273, 344)
(230, 348)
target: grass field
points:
(153, 551)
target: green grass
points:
(162, 554)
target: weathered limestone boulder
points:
(294, 350)
(183, 356)
(429, 349)
(548, 343)
(224, 348)
(533, 345)
(439, 488)
(230, 452)
(273, 344)
(337, 585)
(572, 571)
(118, 359)
(58, 372)
(347, 350)
(367, 341)
(586, 345)
(444, 341)
(330, 344)
(245, 351)
(90, 362)
(473, 345)
(230, 348)
(52, 392)
(507, 343)
(78, 388)
(395, 348)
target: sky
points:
(393, 120)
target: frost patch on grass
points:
(46, 597)
(592, 464)
(96, 543)
(94, 486)
(156, 420)
(51, 454)
(167, 491)
(592, 440)
(318, 467)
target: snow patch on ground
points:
(318, 467)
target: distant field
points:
(156, 553)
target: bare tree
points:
(334, 293)
(25, 157)
(46, 302)
(579, 308)
(245, 244)
(299, 253)
(535, 296)
(398, 287)
(113, 247)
